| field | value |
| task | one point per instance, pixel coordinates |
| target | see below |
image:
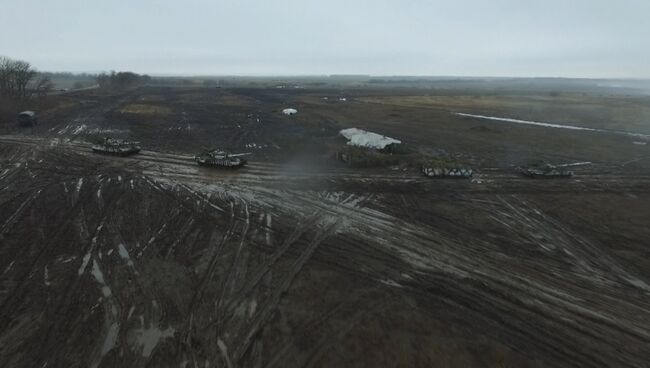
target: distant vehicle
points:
(117, 147)
(27, 118)
(221, 159)
(447, 172)
(547, 171)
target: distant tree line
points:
(119, 80)
(70, 75)
(19, 80)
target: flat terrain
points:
(298, 260)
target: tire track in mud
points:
(261, 317)
(480, 273)
(182, 168)
(530, 299)
(82, 194)
(235, 266)
(253, 172)
(227, 317)
(91, 261)
(65, 220)
(267, 266)
(197, 296)
(46, 251)
(588, 304)
(349, 311)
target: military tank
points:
(221, 159)
(117, 147)
(446, 172)
(547, 171)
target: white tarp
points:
(362, 138)
(289, 111)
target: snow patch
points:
(131, 310)
(11, 265)
(124, 254)
(289, 111)
(252, 307)
(150, 336)
(111, 338)
(79, 129)
(99, 277)
(517, 121)
(46, 276)
(268, 228)
(391, 283)
(79, 184)
(551, 125)
(84, 263)
(224, 351)
(86, 258)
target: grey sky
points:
(570, 38)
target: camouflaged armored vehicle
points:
(546, 171)
(221, 159)
(117, 147)
(446, 172)
(27, 119)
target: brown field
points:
(298, 260)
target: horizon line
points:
(347, 75)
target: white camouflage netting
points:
(362, 138)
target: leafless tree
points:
(24, 73)
(6, 77)
(15, 77)
(42, 86)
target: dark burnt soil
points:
(291, 262)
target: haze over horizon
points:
(500, 38)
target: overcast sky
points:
(568, 38)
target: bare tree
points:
(42, 86)
(24, 73)
(6, 77)
(15, 77)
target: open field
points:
(299, 260)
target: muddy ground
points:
(298, 260)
